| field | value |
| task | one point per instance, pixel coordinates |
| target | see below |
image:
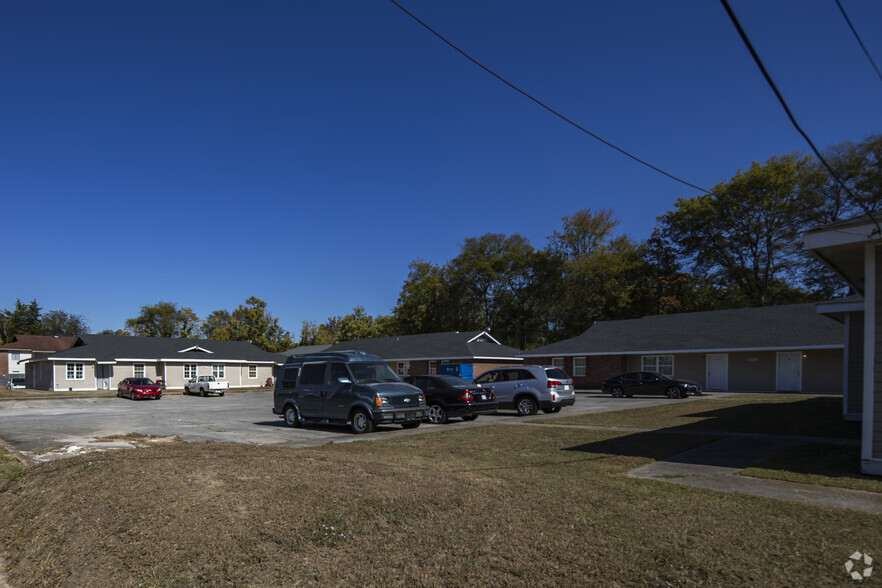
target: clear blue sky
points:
(306, 152)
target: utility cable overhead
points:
(543, 105)
(859, 40)
(805, 136)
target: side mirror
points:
(344, 381)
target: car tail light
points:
(466, 396)
(553, 383)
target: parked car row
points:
(359, 389)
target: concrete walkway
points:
(715, 466)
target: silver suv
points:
(528, 388)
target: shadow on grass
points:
(815, 417)
(835, 454)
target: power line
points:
(542, 104)
(859, 40)
(805, 136)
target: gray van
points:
(343, 387)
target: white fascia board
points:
(196, 348)
(833, 306)
(675, 351)
(69, 359)
(481, 334)
(845, 235)
(112, 362)
(216, 360)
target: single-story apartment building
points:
(465, 354)
(100, 362)
(853, 248)
(774, 348)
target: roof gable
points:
(448, 345)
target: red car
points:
(136, 388)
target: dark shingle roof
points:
(114, 347)
(796, 326)
(450, 345)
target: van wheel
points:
(526, 406)
(361, 422)
(291, 418)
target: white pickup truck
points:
(205, 385)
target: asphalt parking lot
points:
(59, 427)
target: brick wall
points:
(597, 368)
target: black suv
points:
(343, 387)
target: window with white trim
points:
(217, 370)
(579, 366)
(433, 368)
(189, 371)
(403, 368)
(75, 371)
(139, 370)
(252, 372)
(663, 364)
(557, 362)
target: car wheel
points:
(291, 418)
(361, 422)
(118, 393)
(617, 392)
(132, 395)
(220, 393)
(411, 425)
(526, 406)
(469, 417)
(552, 410)
(437, 414)
(673, 392)
(202, 392)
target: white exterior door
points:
(789, 371)
(718, 371)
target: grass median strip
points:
(497, 505)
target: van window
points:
(337, 371)
(289, 377)
(312, 373)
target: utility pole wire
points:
(542, 104)
(808, 140)
(859, 40)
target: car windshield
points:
(372, 372)
(142, 382)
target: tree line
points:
(739, 245)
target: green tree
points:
(249, 322)
(164, 319)
(425, 303)
(24, 319)
(62, 324)
(746, 235)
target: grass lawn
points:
(494, 505)
(778, 414)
